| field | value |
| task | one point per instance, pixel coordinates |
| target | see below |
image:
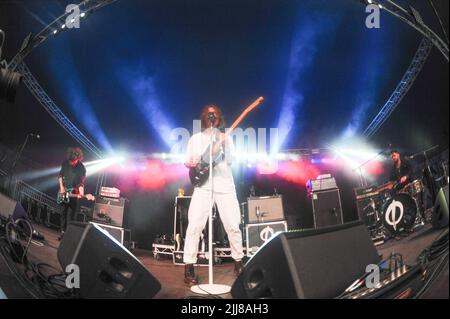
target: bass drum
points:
(399, 213)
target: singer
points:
(224, 195)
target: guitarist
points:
(71, 179)
(224, 194)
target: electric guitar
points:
(199, 174)
(64, 198)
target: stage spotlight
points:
(55, 31)
(83, 14)
(63, 26)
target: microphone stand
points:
(427, 171)
(211, 288)
(13, 166)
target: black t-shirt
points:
(73, 176)
(403, 170)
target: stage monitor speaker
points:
(107, 269)
(10, 207)
(440, 216)
(327, 208)
(310, 264)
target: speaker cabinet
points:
(317, 263)
(11, 208)
(7, 206)
(257, 234)
(327, 208)
(107, 269)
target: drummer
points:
(400, 171)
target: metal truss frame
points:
(402, 88)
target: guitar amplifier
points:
(109, 211)
(325, 182)
(265, 209)
(110, 192)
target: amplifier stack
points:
(326, 201)
(264, 219)
(109, 212)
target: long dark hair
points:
(74, 153)
(204, 116)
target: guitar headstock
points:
(255, 104)
(249, 108)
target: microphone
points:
(211, 117)
(36, 136)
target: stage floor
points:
(171, 276)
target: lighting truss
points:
(412, 17)
(49, 105)
(87, 7)
(402, 88)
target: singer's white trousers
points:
(198, 214)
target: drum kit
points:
(396, 210)
(392, 214)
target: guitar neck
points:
(239, 120)
(76, 195)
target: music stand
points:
(211, 288)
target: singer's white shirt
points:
(223, 176)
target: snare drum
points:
(414, 188)
(399, 213)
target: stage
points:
(171, 276)
(321, 121)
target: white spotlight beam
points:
(27, 176)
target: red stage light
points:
(298, 172)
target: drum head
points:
(399, 213)
(413, 188)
